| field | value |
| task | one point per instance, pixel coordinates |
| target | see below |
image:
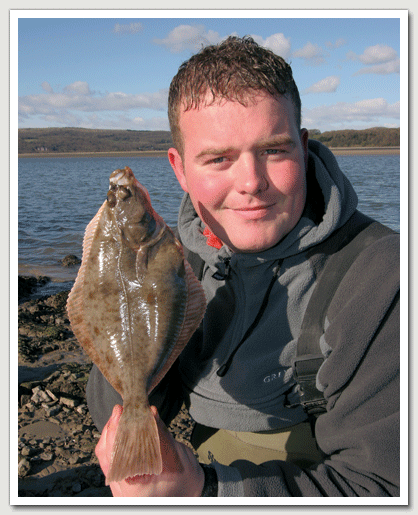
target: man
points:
(259, 199)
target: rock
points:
(51, 411)
(24, 399)
(27, 284)
(82, 409)
(23, 467)
(53, 397)
(46, 456)
(76, 488)
(57, 380)
(67, 401)
(75, 458)
(71, 260)
(39, 396)
(58, 301)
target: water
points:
(59, 196)
(376, 180)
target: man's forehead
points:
(251, 99)
(245, 98)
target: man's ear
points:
(177, 165)
(304, 136)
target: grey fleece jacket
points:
(359, 433)
(253, 394)
(360, 376)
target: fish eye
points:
(111, 198)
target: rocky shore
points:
(56, 435)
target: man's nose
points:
(251, 175)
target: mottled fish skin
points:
(133, 307)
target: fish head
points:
(130, 205)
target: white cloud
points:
(46, 86)
(78, 88)
(339, 43)
(128, 28)
(326, 85)
(381, 69)
(194, 37)
(374, 55)
(188, 37)
(343, 114)
(311, 53)
(278, 43)
(69, 107)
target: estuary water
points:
(58, 197)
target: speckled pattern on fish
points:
(134, 306)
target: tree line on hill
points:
(58, 140)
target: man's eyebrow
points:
(276, 141)
(214, 151)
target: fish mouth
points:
(121, 177)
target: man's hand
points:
(182, 476)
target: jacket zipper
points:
(223, 369)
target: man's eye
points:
(274, 151)
(218, 160)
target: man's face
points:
(244, 169)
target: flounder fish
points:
(133, 307)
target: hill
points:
(90, 140)
(58, 140)
(374, 137)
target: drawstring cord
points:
(223, 369)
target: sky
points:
(95, 70)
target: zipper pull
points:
(222, 370)
(219, 276)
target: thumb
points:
(169, 446)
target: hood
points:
(338, 203)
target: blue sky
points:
(109, 72)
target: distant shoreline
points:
(127, 153)
(338, 151)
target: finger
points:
(104, 446)
(115, 416)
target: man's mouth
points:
(253, 212)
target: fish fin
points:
(136, 450)
(194, 312)
(77, 303)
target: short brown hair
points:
(232, 70)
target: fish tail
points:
(136, 450)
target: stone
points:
(28, 284)
(75, 458)
(67, 401)
(40, 396)
(23, 467)
(46, 456)
(71, 260)
(76, 488)
(53, 396)
(51, 411)
(82, 409)
(27, 451)
(24, 399)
